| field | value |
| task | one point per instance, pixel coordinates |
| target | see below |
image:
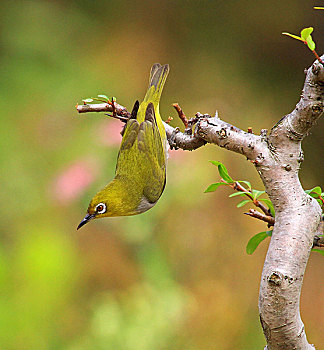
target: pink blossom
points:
(176, 155)
(72, 181)
(109, 132)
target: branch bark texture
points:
(277, 157)
(297, 219)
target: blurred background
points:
(178, 276)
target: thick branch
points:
(310, 107)
(207, 130)
(222, 134)
(214, 130)
(185, 141)
(297, 220)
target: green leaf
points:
(237, 194)
(269, 204)
(306, 32)
(310, 43)
(247, 183)
(222, 171)
(256, 193)
(314, 190)
(293, 36)
(88, 100)
(255, 241)
(213, 187)
(239, 205)
(103, 96)
(318, 251)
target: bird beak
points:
(86, 219)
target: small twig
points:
(319, 236)
(114, 114)
(122, 119)
(318, 241)
(318, 58)
(238, 187)
(321, 198)
(181, 115)
(113, 105)
(121, 111)
(256, 214)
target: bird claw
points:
(172, 143)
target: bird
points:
(140, 175)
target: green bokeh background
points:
(176, 277)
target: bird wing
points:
(141, 157)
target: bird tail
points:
(157, 80)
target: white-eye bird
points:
(141, 165)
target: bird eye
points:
(101, 208)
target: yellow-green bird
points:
(141, 165)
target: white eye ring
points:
(102, 210)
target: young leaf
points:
(247, 183)
(222, 171)
(255, 241)
(256, 193)
(269, 204)
(306, 32)
(318, 251)
(103, 96)
(293, 36)
(239, 205)
(316, 190)
(213, 187)
(88, 100)
(215, 162)
(237, 194)
(310, 43)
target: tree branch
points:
(238, 187)
(319, 235)
(266, 218)
(310, 107)
(297, 220)
(103, 107)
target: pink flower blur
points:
(176, 155)
(73, 181)
(109, 132)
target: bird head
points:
(113, 200)
(97, 209)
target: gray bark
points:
(277, 158)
